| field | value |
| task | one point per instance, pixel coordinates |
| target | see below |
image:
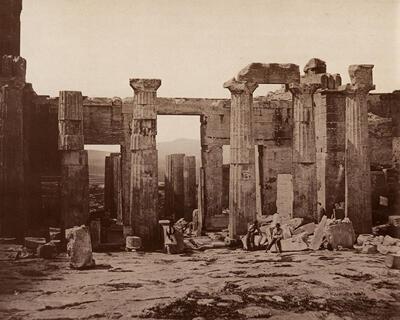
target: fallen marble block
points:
(33, 243)
(392, 261)
(364, 238)
(309, 228)
(340, 234)
(369, 248)
(79, 247)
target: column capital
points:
(350, 89)
(239, 87)
(141, 85)
(304, 88)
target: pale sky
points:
(95, 46)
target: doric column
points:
(242, 199)
(74, 181)
(189, 186)
(304, 152)
(10, 27)
(174, 188)
(330, 133)
(144, 176)
(212, 158)
(357, 165)
(13, 174)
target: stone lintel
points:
(239, 87)
(140, 85)
(270, 73)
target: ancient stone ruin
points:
(315, 140)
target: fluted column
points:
(304, 152)
(242, 184)
(144, 176)
(74, 181)
(357, 164)
(189, 186)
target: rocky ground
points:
(215, 284)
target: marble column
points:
(242, 190)
(144, 175)
(74, 181)
(174, 188)
(189, 186)
(357, 164)
(304, 152)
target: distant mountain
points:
(190, 147)
(97, 161)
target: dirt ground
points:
(215, 284)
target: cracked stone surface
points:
(215, 284)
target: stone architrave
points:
(357, 163)
(242, 190)
(144, 176)
(74, 181)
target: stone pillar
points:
(126, 165)
(242, 200)
(117, 186)
(174, 186)
(212, 159)
(74, 181)
(144, 175)
(13, 207)
(330, 131)
(189, 186)
(108, 185)
(10, 11)
(357, 165)
(304, 152)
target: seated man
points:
(251, 233)
(277, 236)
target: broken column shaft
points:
(74, 181)
(10, 27)
(174, 189)
(357, 164)
(144, 175)
(189, 186)
(13, 149)
(242, 198)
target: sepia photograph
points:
(200, 159)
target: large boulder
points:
(79, 247)
(340, 234)
(392, 261)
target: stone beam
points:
(272, 73)
(242, 200)
(144, 175)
